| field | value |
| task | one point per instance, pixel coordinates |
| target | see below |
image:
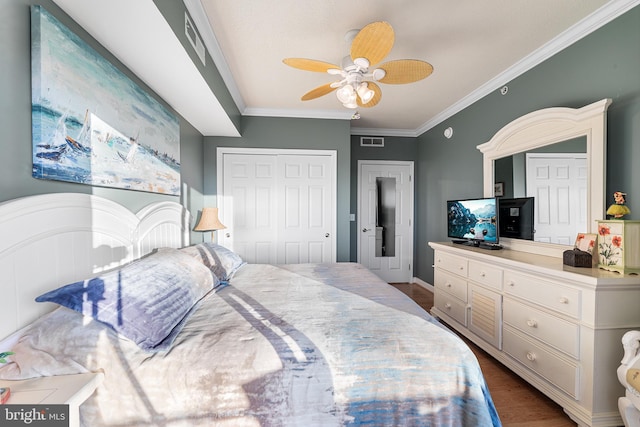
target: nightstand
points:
(72, 390)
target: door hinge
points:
(409, 266)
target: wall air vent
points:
(372, 141)
(192, 34)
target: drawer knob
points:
(511, 283)
(531, 356)
(447, 306)
(461, 268)
(482, 274)
(564, 300)
(448, 284)
(532, 323)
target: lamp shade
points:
(209, 220)
(365, 93)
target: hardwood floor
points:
(518, 403)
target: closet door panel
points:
(305, 225)
(249, 206)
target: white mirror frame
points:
(548, 126)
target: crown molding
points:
(296, 113)
(409, 133)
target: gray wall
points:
(15, 120)
(266, 132)
(605, 64)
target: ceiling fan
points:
(357, 86)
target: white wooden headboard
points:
(50, 240)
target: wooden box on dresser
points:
(558, 327)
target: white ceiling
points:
(474, 46)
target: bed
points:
(191, 335)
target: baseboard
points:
(418, 281)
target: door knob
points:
(327, 235)
(364, 230)
(228, 235)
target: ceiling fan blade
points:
(310, 64)
(373, 42)
(376, 98)
(318, 92)
(405, 71)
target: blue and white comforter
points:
(294, 345)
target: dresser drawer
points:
(550, 295)
(485, 274)
(451, 306)
(450, 283)
(545, 327)
(555, 369)
(451, 263)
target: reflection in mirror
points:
(543, 128)
(386, 217)
(556, 177)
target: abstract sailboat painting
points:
(91, 123)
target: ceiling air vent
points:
(372, 141)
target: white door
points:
(398, 266)
(559, 184)
(248, 206)
(278, 205)
(305, 231)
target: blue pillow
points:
(147, 301)
(221, 261)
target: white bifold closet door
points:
(278, 205)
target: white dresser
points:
(558, 327)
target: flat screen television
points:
(473, 222)
(517, 217)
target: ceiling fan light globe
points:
(345, 93)
(378, 74)
(365, 93)
(352, 105)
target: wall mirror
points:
(555, 176)
(584, 126)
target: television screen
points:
(473, 221)
(517, 218)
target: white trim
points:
(300, 114)
(384, 132)
(428, 286)
(293, 151)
